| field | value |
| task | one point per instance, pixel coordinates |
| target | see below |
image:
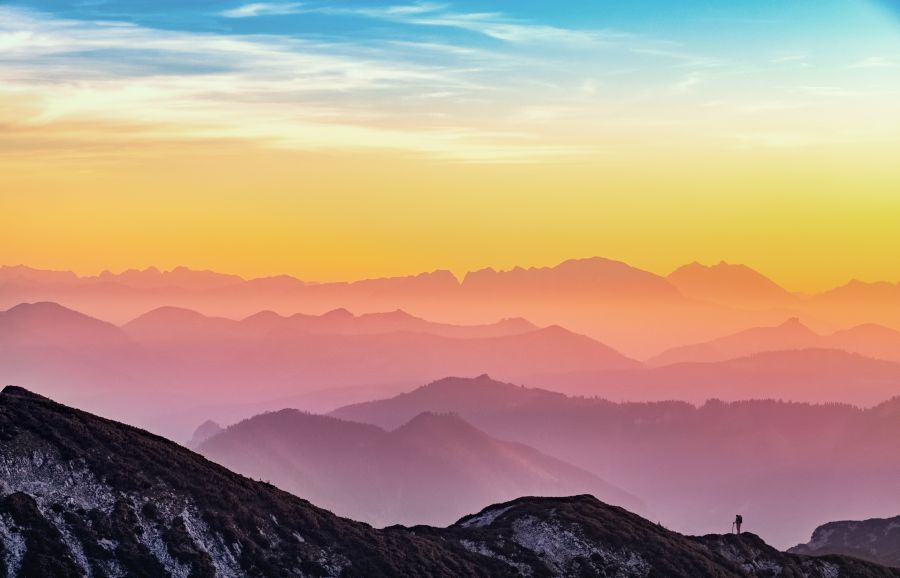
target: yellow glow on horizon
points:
(330, 161)
(809, 217)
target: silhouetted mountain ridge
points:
(692, 464)
(174, 359)
(870, 339)
(731, 285)
(385, 478)
(46, 324)
(814, 375)
(635, 311)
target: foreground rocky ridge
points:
(580, 536)
(85, 496)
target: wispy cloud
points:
(276, 91)
(417, 8)
(513, 90)
(688, 83)
(874, 62)
(495, 25)
(263, 9)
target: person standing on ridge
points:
(738, 520)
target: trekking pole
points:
(732, 528)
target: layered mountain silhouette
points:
(51, 325)
(876, 540)
(635, 311)
(172, 359)
(204, 431)
(730, 285)
(392, 477)
(149, 278)
(465, 397)
(788, 467)
(70, 355)
(792, 334)
(199, 345)
(575, 277)
(86, 496)
(858, 302)
(871, 340)
(169, 324)
(171, 368)
(805, 375)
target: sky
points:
(336, 139)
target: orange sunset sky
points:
(348, 140)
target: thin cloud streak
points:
(874, 62)
(263, 9)
(498, 26)
(524, 92)
(271, 90)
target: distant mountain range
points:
(637, 312)
(870, 340)
(84, 496)
(876, 540)
(154, 369)
(788, 467)
(172, 324)
(172, 368)
(805, 375)
(731, 286)
(384, 478)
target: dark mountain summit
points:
(580, 536)
(85, 496)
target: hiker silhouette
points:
(738, 520)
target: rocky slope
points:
(580, 536)
(877, 540)
(85, 496)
